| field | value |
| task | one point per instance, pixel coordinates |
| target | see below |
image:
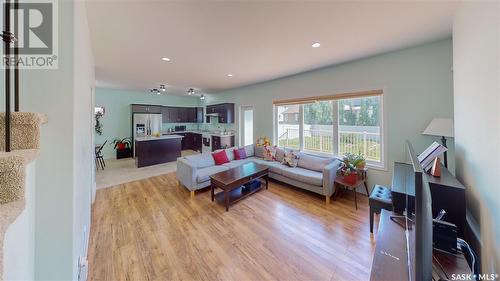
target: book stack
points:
(427, 157)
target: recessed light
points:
(229, 75)
(316, 45)
(165, 59)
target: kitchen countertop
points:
(164, 137)
(200, 132)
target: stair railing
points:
(8, 38)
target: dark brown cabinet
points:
(190, 141)
(172, 114)
(145, 108)
(224, 111)
(222, 142)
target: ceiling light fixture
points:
(202, 97)
(163, 88)
(190, 92)
(155, 91)
(229, 75)
(165, 59)
(316, 45)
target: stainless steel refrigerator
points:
(145, 125)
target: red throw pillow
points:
(236, 153)
(220, 157)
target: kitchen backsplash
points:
(214, 125)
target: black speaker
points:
(444, 236)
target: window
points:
(288, 128)
(333, 127)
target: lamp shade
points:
(442, 127)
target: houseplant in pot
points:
(123, 147)
(351, 164)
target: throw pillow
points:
(291, 159)
(243, 153)
(236, 153)
(220, 157)
(240, 153)
(269, 153)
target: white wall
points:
(19, 240)
(83, 138)
(417, 84)
(476, 60)
(51, 92)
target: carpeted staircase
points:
(25, 145)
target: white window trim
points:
(382, 165)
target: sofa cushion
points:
(274, 167)
(205, 173)
(280, 154)
(200, 160)
(259, 151)
(220, 157)
(314, 163)
(249, 149)
(230, 153)
(303, 175)
(237, 163)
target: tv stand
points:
(390, 258)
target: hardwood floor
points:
(152, 230)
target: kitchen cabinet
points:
(145, 108)
(190, 141)
(222, 142)
(172, 114)
(224, 111)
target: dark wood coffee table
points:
(231, 181)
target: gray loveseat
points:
(313, 173)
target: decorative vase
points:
(121, 146)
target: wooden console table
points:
(390, 258)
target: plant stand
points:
(123, 153)
(361, 180)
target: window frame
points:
(382, 165)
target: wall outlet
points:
(83, 268)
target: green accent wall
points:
(417, 84)
(117, 120)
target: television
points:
(418, 222)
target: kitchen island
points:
(151, 150)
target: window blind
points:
(339, 96)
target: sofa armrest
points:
(329, 175)
(186, 173)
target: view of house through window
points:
(333, 127)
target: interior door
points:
(247, 125)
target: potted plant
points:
(123, 147)
(351, 164)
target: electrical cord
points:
(462, 243)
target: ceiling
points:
(255, 41)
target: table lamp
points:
(441, 127)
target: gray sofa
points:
(313, 173)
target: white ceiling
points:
(255, 41)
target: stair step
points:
(25, 130)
